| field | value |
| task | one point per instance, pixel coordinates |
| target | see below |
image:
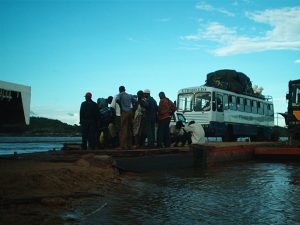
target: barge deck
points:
(209, 154)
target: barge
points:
(195, 155)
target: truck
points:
(292, 116)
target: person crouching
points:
(179, 135)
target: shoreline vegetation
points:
(40, 126)
(46, 188)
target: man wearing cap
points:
(149, 119)
(89, 116)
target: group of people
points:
(126, 121)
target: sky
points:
(65, 48)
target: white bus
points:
(227, 114)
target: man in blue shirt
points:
(126, 101)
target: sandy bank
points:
(41, 188)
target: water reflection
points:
(240, 193)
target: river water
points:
(252, 192)
(10, 145)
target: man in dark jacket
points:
(150, 119)
(89, 116)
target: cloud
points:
(130, 39)
(284, 33)
(207, 7)
(72, 114)
(163, 20)
(33, 113)
(297, 61)
(285, 23)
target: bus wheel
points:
(228, 136)
(253, 138)
(260, 136)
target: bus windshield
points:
(185, 102)
(202, 101)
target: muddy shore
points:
(43, 188)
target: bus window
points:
(260, 109)
(247, 105)
(240, 104)
(219, 103)
(254, 106)
(185, 102)
(270, 110)
(265, 109)
(232, 102)
(225, 102)
(202, 101)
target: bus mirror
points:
(287, 96)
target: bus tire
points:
(260, 136)
(228, 136)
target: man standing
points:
(166, 109)
(89, 116)
(115, 127)
(125, 101)
(149, 119)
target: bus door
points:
(202, 107)
(218, 107)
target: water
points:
(238, 193)
(9, 145)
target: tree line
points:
(40, 126)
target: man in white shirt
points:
(114, 129)
(196, 131)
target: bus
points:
(227, 114)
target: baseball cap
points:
(147, 91)
(88, 94)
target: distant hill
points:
(40, 125)
(44, 126)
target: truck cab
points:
(292, 117)
(178, 116)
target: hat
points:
(146, 91)
(88, 94)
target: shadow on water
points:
(240, 193)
